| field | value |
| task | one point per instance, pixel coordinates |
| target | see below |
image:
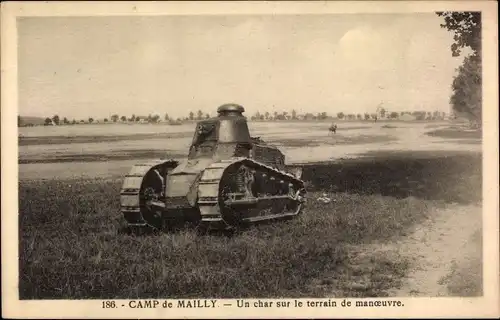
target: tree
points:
(73, 122)
(207, 116)
(191, 115)
(56, 120)
(340, 115)
(114, 118)
(105, 119)
(279, 116)
(294, 114)
(200, 115)
(466, 28)
(382, 112)
(132, 118)
(266, 115)
(166, 117)
(123, 118)
(467, 84)
(155, 118)
(467, 95)
(359, 116)
(91, 120)
(367, 116)
(394, 115)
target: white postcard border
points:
(12, 307)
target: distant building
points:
(407, 117)
(141, 119)
(309, 116)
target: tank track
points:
(130, 194)
(273, 186)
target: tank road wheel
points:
(236, 184)
(152, 192)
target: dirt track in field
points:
(444, 254)
(443, 247)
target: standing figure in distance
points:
(333, 128)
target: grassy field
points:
(71, 244)
(301, 142)
(455, 133)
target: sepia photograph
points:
(251, 160)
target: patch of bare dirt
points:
(439, 246)
(444, 254)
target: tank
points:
(228, 180)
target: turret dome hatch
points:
(230, 109)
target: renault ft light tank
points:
(229, 179)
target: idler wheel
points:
(152, 190)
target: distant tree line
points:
(115, 118)
(258, 116)
(381, 114)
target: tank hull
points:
(225, 194)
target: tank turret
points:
(223, 136)
(228, 179)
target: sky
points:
(78, 67)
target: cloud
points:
(366, 47)
(400, 63)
